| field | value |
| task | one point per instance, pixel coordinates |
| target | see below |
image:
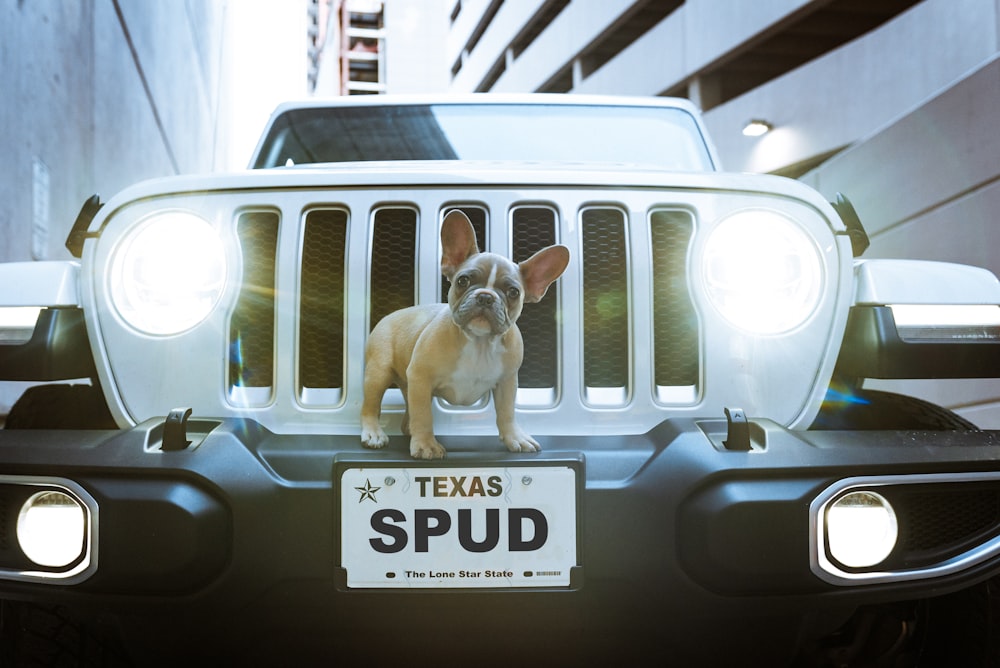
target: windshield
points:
(651, 136)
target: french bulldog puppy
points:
(461, 350)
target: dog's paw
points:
(426, 448)
(520, 441)
(373, 437)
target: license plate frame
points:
(504, 505)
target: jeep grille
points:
(325, 281)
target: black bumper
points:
(231, 546)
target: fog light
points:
(51, 529)
(861, 529)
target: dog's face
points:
(486, 295)
(487, 291)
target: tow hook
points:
(738, 437)
(175, 430)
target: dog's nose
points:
(485, 299)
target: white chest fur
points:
(477, 370)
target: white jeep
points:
(715, 484)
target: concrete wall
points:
(503, 28)
(77, 117)
(98, 94)
(849, 93)
(577, 25)
(33, 88)
(692, 37)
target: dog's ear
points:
(458, 242)
(541, 269)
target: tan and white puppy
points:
(461, 350)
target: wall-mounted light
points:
(757, 127)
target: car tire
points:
(60, 407)
(865, 409)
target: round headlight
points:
(861, 529)
(762, 272)
(51, 529)
(168, 273)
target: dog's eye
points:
(513, 293)
(462, 282)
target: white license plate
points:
(458, 527)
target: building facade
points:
(892, 102)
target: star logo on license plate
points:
(368, 492)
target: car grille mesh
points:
(938, 523)
(393, 277)
(328, 279)
(605, 298)
(321, 300)
(251, 328)
(675, 326)
(534, 228)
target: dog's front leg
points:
(377, 380)
(423, 445)
(511, 435)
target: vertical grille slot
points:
(676, 357)
(251, 329)
(605, 305)
(534, 228)
(321, 306)
(393, 263)
(477, 216)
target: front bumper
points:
(678, 537)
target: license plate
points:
(458, 527)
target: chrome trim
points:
(604, 397)
(823, 568)
(676, 394)
(88, 565)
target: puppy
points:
(461, 350)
